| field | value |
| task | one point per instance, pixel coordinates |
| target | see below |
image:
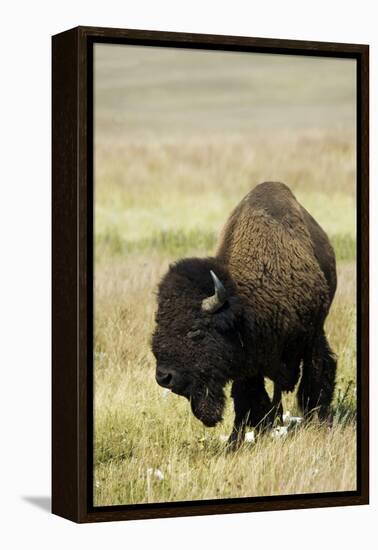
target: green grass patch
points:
(344, 404)
(174, 242)
(345, 247)
(180, 242)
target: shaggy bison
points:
(255, 310)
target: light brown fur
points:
(267, 247)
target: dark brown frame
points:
(72, 269)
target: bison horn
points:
(213, 303)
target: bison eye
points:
(195, 334)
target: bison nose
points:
(164, 378)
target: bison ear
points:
(229, 318)
(218, 299)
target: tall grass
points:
(148, 445)
(169, 168)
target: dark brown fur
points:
(279, 271)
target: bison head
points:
(197, 340)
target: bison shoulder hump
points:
(275, 198)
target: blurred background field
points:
(180, 137)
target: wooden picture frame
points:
(72, 270)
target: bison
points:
(255, 310)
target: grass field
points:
(169, 167)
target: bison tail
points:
(317, 384)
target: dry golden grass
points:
(181, 137)
(138, 427)
(182, 462)
(144, 188)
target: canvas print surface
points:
(225, 275)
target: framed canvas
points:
(210, 274)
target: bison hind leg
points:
(317, 384)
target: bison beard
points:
(256, 310)
(208, 405)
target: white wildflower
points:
(291, 421)
(279, 432)
(158, 474)
(250, 437)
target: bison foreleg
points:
(252, 406)
(317, 384)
